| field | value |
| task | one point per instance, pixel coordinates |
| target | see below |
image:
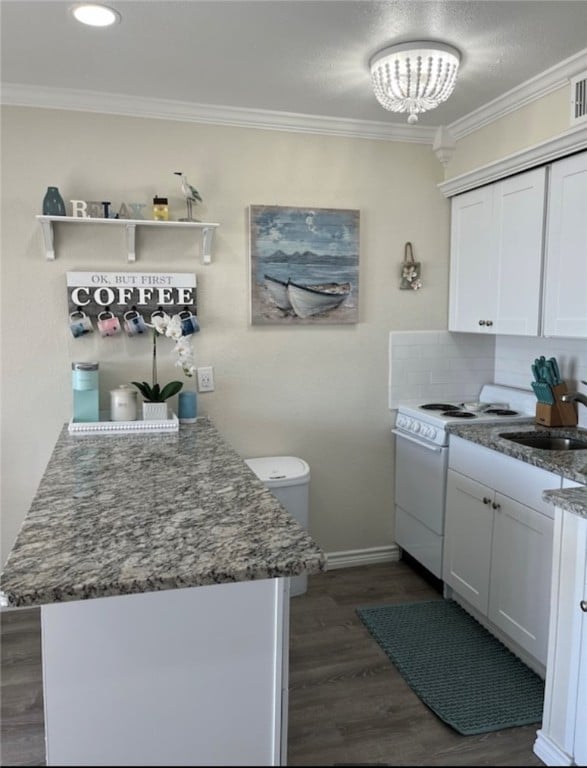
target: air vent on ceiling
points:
(579, 98)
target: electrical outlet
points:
(206, 379)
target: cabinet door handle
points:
(496, 506)
(583, 605)
(489, 322)
(482, 322)
(486, 500)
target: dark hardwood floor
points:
(348, 705)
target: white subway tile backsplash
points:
(439, 365)
(515, 354)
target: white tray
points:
(140, 427)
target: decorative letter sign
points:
(122, 291)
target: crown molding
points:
(536, 88)
(573, 140)
(14, 94)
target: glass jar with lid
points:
(160, 209)
(123, 403)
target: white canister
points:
(123, 403)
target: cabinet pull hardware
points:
(482, 322)
(489, 322)
(486, 500)
(583, 605)
(496, 506)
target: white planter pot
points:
(154, 411)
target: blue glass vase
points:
(53, 204)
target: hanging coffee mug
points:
(80, 323)
(189, 323)
(108, 323)
(134, 323)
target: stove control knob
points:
(415, 426)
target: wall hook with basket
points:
(411, 271)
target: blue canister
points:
(187, 410)
(86, 392)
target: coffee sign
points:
(119, 292)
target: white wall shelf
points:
(206, 232)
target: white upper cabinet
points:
(565, 286)
(496, 256)
(473, 267)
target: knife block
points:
(559, 414)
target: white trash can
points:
(288, 479)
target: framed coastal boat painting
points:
(304, 265)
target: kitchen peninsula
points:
(160, 563)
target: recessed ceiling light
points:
(95, 15)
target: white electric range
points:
(421, 463)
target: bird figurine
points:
(190, 193)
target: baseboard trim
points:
(370, 556)
(547, 751)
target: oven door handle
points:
(428, 446)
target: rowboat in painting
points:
(308, 300)
(278, 292)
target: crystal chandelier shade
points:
(414, 77)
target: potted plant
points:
(154, 395)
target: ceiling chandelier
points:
(414, 77)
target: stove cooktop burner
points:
(501, 412)
(439, 407)
(456, 414)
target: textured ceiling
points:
(296, 56)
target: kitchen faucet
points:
(575, 397)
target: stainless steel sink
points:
(545, 442)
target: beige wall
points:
(316, 392)
(536, 122)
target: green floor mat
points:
(464, 674)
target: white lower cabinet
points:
(498, 545)
(467, 539)
(562, 739)
(520, 575)
(497, 556)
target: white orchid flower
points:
(174, 328)
(170, 326)
(160, 323)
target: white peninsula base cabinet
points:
(194, 676)
(562, 739)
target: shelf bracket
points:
(47, 227)
(130, 241)
(207, 237)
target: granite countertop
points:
(123, 514)
(570, 499)
(569, 464)
(572, 465)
